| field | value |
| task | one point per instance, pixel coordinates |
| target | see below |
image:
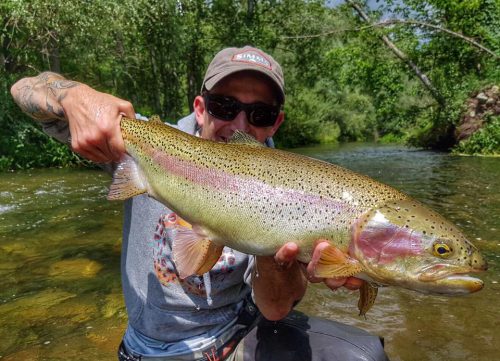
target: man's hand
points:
(280, 281)
(94, 117)
(94, 123)
(351, 283)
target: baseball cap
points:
(231, 60)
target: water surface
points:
(60, 294)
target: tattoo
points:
(40, 97)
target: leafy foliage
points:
(485, 141)
(344, 85)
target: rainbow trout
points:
(254, 199)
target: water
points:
(60, 294)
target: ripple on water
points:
(6, 194)
(5, 208)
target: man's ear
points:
(279, 121)
(199, 110)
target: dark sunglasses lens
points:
(227, 108)
(222, 107)
(263, 116)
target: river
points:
(60, 294)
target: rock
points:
(75, 268)
(10, 338)
(33, 308)
(76, 310)
(483, 98)
(20, 248)
(29, 354)
(107, 336)
(114, 306)
(479, 107)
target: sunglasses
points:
(227, 108)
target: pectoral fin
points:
(333, 263)
(127, 180)
(194, 254)
(367, 296)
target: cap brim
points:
(210, 83)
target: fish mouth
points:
(451, 280)
(458, 284)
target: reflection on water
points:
(60, 246)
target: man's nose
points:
(241, 122)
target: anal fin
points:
(333, 263)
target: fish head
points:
(406, 244)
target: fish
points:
(254, 199)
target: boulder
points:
(479, 106)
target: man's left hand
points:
(351, 283)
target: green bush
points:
(484, 141)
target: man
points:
(212, 316)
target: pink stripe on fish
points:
(248, 187)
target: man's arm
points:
(93, 117)
(278, 282)
(40, 97)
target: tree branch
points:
(401, 21)
(401, 55)
(435, 27)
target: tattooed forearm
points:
(40, 97)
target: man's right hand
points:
(93, 117)
(94, 123)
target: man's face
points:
(246, 87)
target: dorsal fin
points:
(240, 137)
(155, 119)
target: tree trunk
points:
(250, 8)
(156, 77)
(53, 51)
(192, 74)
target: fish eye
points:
(442, 250)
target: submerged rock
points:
(76, 310)
(33, 308)
(114, 306)
(107, 336)
(19, 248)
(29, 354)
(75, 268)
